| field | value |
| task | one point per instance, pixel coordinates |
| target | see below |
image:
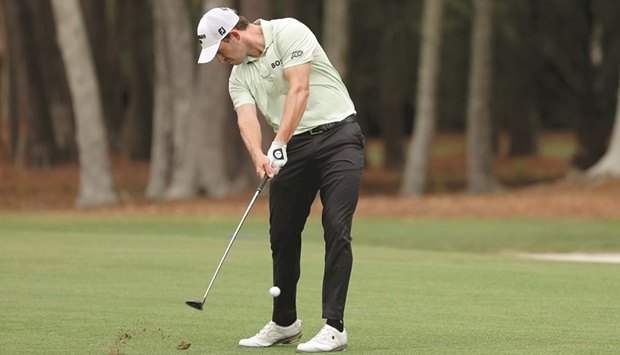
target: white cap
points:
(212, 28)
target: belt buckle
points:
(314, 133)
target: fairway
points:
(88, 284)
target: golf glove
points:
(277, 156)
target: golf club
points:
(198, 304)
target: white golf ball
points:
(274, 291)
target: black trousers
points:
(330, 162)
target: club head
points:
(194, 304)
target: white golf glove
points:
(277, 156)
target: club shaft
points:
(234, 236)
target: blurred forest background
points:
(88, 83)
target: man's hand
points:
(277, 155)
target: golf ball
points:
(274, 291)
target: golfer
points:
(281, 69)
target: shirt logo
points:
(297, 54)
(221, 31)
(275, 64)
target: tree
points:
(136, 132)
(480, 177)
(105, 22)
(395, 58)
(53, 82)
(29, 115)
(222, 156)
(581, 54)
(161, 146)
(609, 165)
(518, 93)
(417, 166)
(95, 178)
(170, 162)
(194, 149)
(336, 34)
(179, 62)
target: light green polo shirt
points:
(261, 81)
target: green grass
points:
(97, 285)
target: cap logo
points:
(221, 31)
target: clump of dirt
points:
(127, 335)
(123, 338)
(184, 345)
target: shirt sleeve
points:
(239, 93)
(296, 43)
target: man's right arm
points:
(250, 130)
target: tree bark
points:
(34, 146)
(95, 177)
(103, 26)
(394, 62)
(417, 165)
(137, 126)
(224, 163)
(162, 147)
(54, 81)
(181, 43)
(609, 165)
(174, 172)
(480, 177)
(517, 92)
(336, 34)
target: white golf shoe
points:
(273, 334)
(329, 339)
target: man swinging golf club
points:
(281, 69)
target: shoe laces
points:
(324, 334)
(266, 328)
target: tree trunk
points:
(182, 43)
(177, 47)
(35, 146)
(4, 84)
(215, 114)
(95, 178)
(236, 167)
(417, 165)
(250, 9)
(480, 177)
(609, 165)
(336, 34)
(592, 131)
(517, 92)
(137, 126)
(103, 25)
(162, 147)
(292, 8)
(394, 62)
(54, 81)
(523, 133)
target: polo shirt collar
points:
(267, 34)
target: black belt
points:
(326, 127)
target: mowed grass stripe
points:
(109, 286)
